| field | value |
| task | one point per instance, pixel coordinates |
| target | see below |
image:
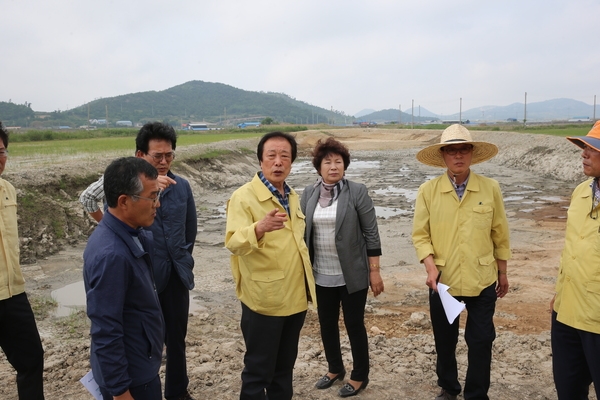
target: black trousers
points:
(20, 341)
(353, 305)
(479, 335)
(147, 391)
(175, 304)
(575, 361)
(271, 351)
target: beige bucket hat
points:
(456, 134)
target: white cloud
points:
(348, 55)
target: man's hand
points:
(432, 272)
(97, 215)
(273, 221)
(164, 182)
(502, 286)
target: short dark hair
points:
(271, 135)
(329, 146)
(122, 176)
(155, 130)
(4, 135)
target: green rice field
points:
(107, 144)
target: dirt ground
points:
(536, 173)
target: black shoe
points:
(348, 390)
(445, 395)
(325, 382)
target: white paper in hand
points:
(452, 307)
(90, 384)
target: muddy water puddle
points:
(71, 298)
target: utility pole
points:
(400, 115)
(525, 112)
(460, 112)
(412, 115)
(106, 107)
(594, 107)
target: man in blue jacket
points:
(122, 303)
(174, 230)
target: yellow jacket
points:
(273, 275)
(465, 237)
(11, 278)
(577, 300)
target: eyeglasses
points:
(159, 157)
(154, 200)
(452, 151)
(3, 153)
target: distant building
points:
(580, 119)
(197, 126)
(124, 123)
(247, 124)
(365, 124)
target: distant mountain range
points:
(549, 110)
(195, 101)
(224, 105)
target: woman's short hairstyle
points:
(329, 146)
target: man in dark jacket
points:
(122, 303)
(174, 230)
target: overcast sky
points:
(342, 54)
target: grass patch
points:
(105, 144)
(27, 201)
(32, 143)
(215, 153)
(42, 306)
(75, 326)
(562, 130)
(58, 228)
(557, 130)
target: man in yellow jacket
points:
(271, 268)
(576, 305)
(460, 233)
(19, 337)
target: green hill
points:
(194, 101)
(16, 114)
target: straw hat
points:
(592, 139)
(456, 134)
